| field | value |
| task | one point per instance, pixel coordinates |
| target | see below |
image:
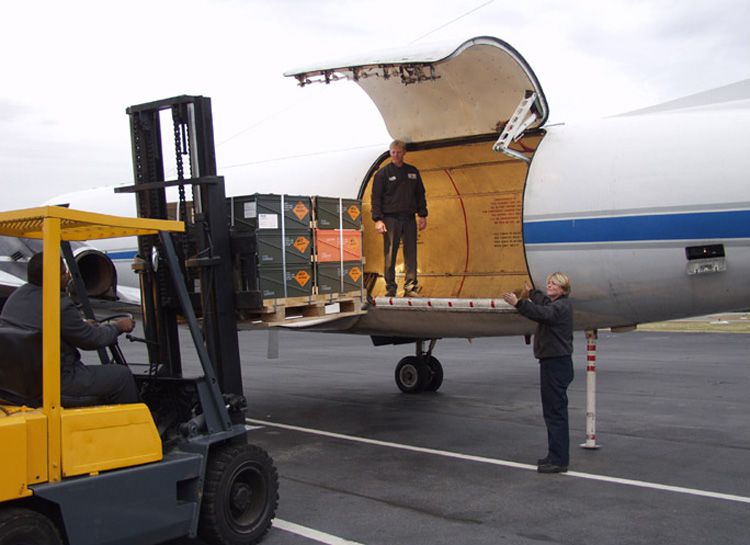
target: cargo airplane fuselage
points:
(648, 213)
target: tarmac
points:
(359, 462)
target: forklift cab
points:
(101, 474)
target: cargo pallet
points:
(276, 311)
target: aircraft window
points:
(703, 252)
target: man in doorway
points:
(399, 208)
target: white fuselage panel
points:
(615, 202)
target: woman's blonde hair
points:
(562, 280)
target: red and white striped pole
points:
(591, 336)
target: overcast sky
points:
(69, 70)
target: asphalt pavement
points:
(361, 462)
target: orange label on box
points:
(300, 210)
(353, 212)
(352, 245)
(302, 278)
(355, 273)
(301, 244)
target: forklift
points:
(179, 463)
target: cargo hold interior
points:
(473, 244)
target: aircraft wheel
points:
(240, 495)
(412, 375)
(436, 374)
(27, 527)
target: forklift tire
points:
(26, 527)
(240, 495)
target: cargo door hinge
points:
(522, 117)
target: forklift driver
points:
(79, 384)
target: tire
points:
(436, 374)
(240, 495)
(26, 527)
(411, 375)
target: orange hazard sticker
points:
(353, 212)
(301, 244)
(300, 210)
(302, 278)
(355, 273)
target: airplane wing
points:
(129, 295)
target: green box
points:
(297, 248)
(335, 213)
(263, 212)
(339, 277)
(298, 280)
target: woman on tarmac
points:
(553, 347)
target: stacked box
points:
(272, 246)
(339, 277)
(277, 282)
(335, 245)
(269, 212)
(275, 249)
(336, 213)
(338, 245)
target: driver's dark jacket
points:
(24, 309)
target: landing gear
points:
(436, 374)
(420, 373)
(411, 375)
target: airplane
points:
(648, 212)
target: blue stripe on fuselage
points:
(124, 254)
(694, 225)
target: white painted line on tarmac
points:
(506, 463)
(309, 533)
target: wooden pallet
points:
(343, 296)
(295, 308)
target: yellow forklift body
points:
(23, 456)
(73, 441)
(108, 437)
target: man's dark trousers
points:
(555, 375)
(109, 384)
(400, 227)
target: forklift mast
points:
(205, 247)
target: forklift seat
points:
(20, 366)
(21, 370)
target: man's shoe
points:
(551, 468)
(543, 461)
(412, 292)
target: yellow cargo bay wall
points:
(472, 247)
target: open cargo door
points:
(428, 93)
(450, 104)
